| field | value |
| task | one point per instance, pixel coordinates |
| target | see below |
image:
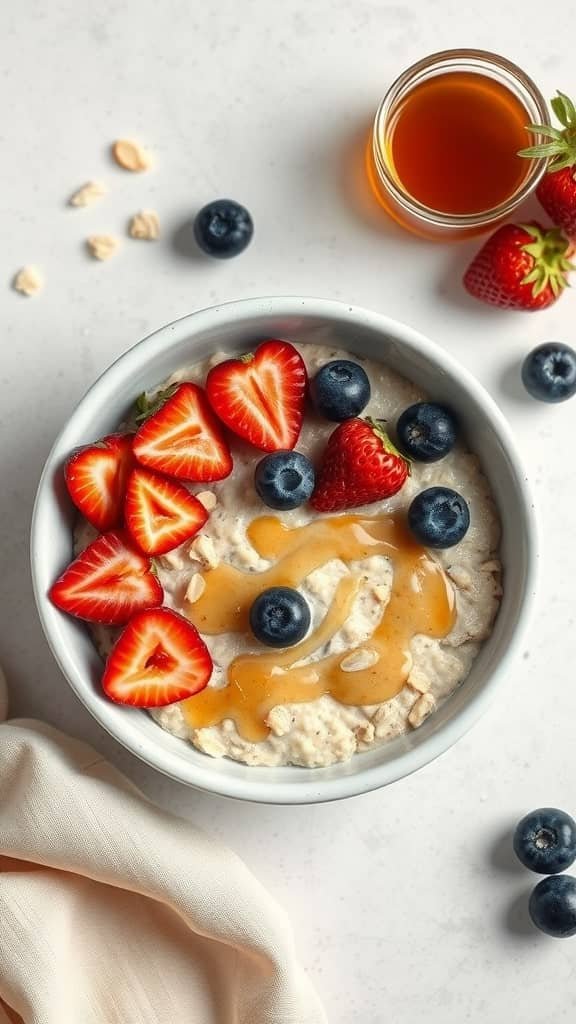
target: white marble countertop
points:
(405, 903)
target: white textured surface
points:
(405, 902)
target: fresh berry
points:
(160, 658)
(360, 465)
(557, 189)
(340, 390)
(549, 372)
(108, 582)
(552, 906)
(280, 617)
(223, 228)
(520, 267)
(184, 439)
(426, 432)
(160, 513)
(261, 395)
(284, 480)
(438, 517)
(96, 479)
(545, 840)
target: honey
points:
(453, 143)
(421, 602)
(443, 155)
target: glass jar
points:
(384, 179)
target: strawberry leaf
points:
(146, 405)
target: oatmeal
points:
(377, 659)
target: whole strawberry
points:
(557, 189)
(521, 266)
(360, 465)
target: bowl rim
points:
(314, 790)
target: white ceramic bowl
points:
(239, 325)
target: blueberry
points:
(284, 479)
(223, 228)
(549, 372)
(545, 840)
(279, 617)
(552, 906)
(426, 432)
(439, 517)
(340, 390)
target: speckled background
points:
(406, 905)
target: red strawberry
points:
(184, 439)
(160, 513)
(108, 582)
(557, 189)
(159, 658)
(96, 479)
(261, 395)
(520, 267)
(360, 465)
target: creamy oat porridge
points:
(387, 617)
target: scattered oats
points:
(196, 588)
(365, 733)
(88, 194)
(421, 709)
(28, 281)
(208, 743)
(357, 661)
(131, 156)
(278, 721)
(208, 499)
(202, 549)
(172, 559)
(417, 680)
(144, 225)
(386, 722)
(461, 577)
(102, 247)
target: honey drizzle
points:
(421, 602)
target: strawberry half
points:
(96, 479)
(108, 582)
(520, 267)
(160, 513)
(360, 465)
(184, 439)
(261, 395)
(160, 658)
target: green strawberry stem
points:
(549, 250)
(561, 147)
(379, 428)
(145, 406)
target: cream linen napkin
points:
(114, 912)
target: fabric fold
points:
(112, 910)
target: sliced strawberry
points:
(160, 513)
(96, 479)
(160, 658)
(108, 582)
(261, 395)
(184, 439)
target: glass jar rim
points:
(478, 59)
